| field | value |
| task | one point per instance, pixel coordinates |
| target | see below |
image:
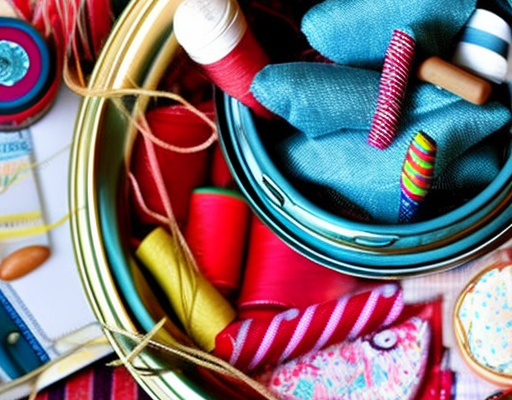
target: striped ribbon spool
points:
(417, 172)
(253, 343)
(393, 83)
(484, 46)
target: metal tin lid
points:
(364, 249)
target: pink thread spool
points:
(215, 34)
(393, 83)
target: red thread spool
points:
(278, 278)
(220, 175)
(393, 83)
(216, 232)
(215, 34)
(181, 172)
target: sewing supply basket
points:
(137, 54)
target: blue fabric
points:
(332, 105)
(357, 32)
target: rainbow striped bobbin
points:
(417, 173)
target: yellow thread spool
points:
(203, 311)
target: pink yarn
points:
(235, 72)
(393, 84)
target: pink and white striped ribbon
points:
(253, 343)
(393, 83)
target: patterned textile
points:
(97, 382)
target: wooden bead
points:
(454, 79)
(23, 261)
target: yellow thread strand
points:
(25, 216)
(15, 233)
(139, 347)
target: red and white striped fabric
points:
(393, 83)
(254, 343)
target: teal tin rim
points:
(362, 249)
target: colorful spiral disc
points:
(25, 66)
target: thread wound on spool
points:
(202, 310)
(29, 98)
(393, 83)
(216, 233)
(214, 33)
(484, 46)
(277, 277)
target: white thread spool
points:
(209, 29)
(216, 35)
(484, 46)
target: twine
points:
(186, 353)
(75, 80)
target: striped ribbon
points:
(97, 382)
(253, 343)
(393, 83)
(486, 40)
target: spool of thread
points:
(27, 74)
(215, 34)
(484, 46)
(181, 172)
(220, 174)
(417, 173)
(454, 79)
(393, 84)
(277, 278)
(216, 233)
(202, 310)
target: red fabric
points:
(80, 387)
(251, 344)
(235, 72)
(96, 382)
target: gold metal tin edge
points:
(122, 64)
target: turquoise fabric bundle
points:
(332, 104)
